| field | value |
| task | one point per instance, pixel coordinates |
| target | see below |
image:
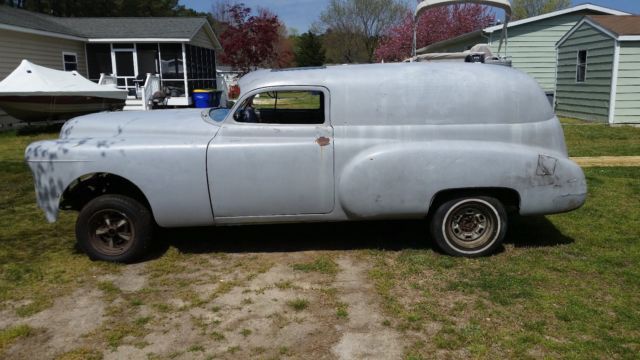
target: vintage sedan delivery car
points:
(459, 145)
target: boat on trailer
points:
(480, 53)
(34, 93)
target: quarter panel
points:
(400, 179)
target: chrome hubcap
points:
(471, 225)
(111, 232)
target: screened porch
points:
(180, 67)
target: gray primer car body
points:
(395, 135)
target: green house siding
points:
(590, 99)
(628, 88)
(532, 47)
(460, 45)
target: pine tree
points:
(309, 51)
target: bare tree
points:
(527, 8)
(219, 13)
(361, 23)
(219, 10)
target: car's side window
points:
(283, 107)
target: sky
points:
(300, 14)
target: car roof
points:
(395, 73)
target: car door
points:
(281, 164)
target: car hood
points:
(156, 123)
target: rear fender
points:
(401, 179)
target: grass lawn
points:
(288, 100)
(38, 261)
(591, 139)
(565, 285)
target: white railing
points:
(130, 84)
(144, 92)
(107, 79)
(151, 85)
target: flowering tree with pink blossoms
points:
(433, 25)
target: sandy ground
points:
(607, 161)
(234, 306)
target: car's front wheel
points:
(114, 228)
(469, 226)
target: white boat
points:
(480, 53)
(36, 93)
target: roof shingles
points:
(103, 28)
(620, 25)
(32, 20)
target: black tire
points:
(471, 226)
(114, 228)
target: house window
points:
(581, 71)
(201, 67)
(98, 60)
(69, 61)
(171, 61)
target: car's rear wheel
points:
(114, 228)
(469, 226)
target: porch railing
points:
(151, 85)
(107, 79)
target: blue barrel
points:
(202, 98)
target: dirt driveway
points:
(202, 299)
(592, 161)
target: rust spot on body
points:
(323, 141)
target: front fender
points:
(170, 172)
(54, 167)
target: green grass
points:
(565, 285)
(11, 334)
(593, 139)
(81, 354)
(196, 348)
(342, 311)
(322, 264)
(288, 100)
(285, 285)
(38, 261)
(115, 332)
(217, 336)
(298, 304)
(284, 351)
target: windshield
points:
(218, 114)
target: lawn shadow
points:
(379, 235)
(383, 235)
(39, 128)
(534, 231)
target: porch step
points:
(132, 108)
(133, 104)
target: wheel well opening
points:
(508, 197)
(90, 186)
